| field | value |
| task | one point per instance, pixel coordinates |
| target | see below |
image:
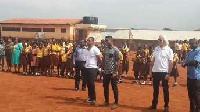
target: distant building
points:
(136, 38)
(72, 29)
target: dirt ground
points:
(40, 93)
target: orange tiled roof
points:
(41, 21)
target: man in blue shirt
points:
(193, 75)
(79, 60)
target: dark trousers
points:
(157, 77)
(193, 87)
(107, 78)
(90, 75)
(2, 62)
(63, 68)
(79, 72)
(136, 74)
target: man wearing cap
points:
(111, 60)
(163, 61)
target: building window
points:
(48, 29)
(10, 29)
(63, 30)
(31, 29)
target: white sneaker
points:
(150, 83)
(175, 84)
(68, 74)
(143, 83)
(88, 100)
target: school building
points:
(72, 29)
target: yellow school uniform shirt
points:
(59, 47)
(39, 53)
(28, 49)
(185, 46)
(62, 51)
(121, 56)
(175, 59)
(146, 52)
(64, 57)
(70, 47)
(53, 48)
(126, 49)
(45, 51)
(69, 55)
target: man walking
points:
(163, 60)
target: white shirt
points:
(162, 58)
(91, 61)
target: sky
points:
(139, 14)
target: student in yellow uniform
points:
(145, 67)
(33, 59)
(125, 64)
(54, 60)
(58, 49)
(28, 50)
(63, 63)
(61, 58)
(39, 59)
(120, 66)
(175, 72)
(69, 66)
(46, 59)
(185, 48)
(24, 59)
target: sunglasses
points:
(160, 40)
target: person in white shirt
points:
(90, 71)
(163, 60)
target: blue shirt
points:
(192, 71)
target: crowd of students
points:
(41, 57)
(79, 61)
(36, 57)
(46, 57)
